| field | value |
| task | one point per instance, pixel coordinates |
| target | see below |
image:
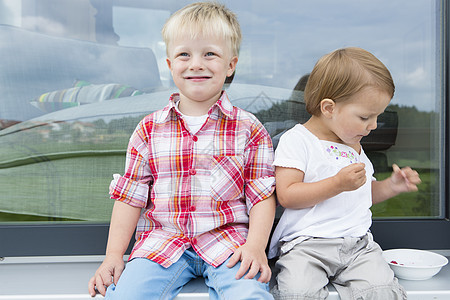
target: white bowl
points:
(412, 264)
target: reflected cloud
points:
(44, 25)
(296, 36)
(417, 78)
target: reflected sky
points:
(402, 34)
(283, 39)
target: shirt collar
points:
(223, 104)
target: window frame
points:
(59, 239)
(416, 233)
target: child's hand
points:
(254, 260)
(404, 180)
(351, 177)
(109, 270)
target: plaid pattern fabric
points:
(196, 190)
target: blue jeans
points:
(145, 279)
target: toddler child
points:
(198, 183)
(325, 182)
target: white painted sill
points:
(66, 277)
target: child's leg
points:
(303, 271)
(145, 279)
(368, 276)
(223, 285)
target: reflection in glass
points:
(76, 77)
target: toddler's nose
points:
(373, 125)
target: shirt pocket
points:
(227, 177)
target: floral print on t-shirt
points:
(338, 154)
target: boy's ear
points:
(169, 64)
(327, 107)
(232, 66)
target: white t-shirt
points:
(346, 214)
(193, 122)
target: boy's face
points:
(199, 67)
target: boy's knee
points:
(257, 291)
(242, 289)
(114, 293)
(229, 288)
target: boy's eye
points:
(364, 118)
(182, 54)
(210, 54)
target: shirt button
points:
(192, 208)
(195, 138)
(192, 172)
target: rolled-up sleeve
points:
(259, 173)
(133, 187)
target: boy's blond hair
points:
(204, 19)
(343, 73)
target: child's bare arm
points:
(252, 254)
(401, 180)
(293, 193)
(123, 223)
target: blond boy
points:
(198, 183)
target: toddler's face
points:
(199, 67)
(357, 117)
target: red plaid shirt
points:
(196, 190)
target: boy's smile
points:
(198, 78)
(199, 67)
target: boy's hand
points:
(109, 270)
(253, 259)
(404, 180)
(351, 177)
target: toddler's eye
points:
(364, 118)
(210, 54)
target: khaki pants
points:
(355, 266)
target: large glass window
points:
(76, 76)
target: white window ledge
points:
(27, 278)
